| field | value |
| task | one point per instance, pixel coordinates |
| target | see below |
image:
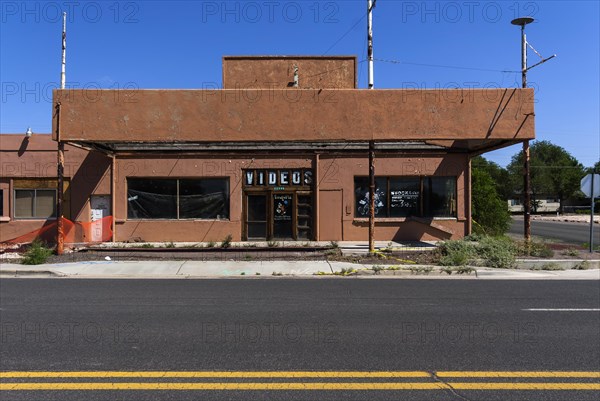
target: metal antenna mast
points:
(60, 235)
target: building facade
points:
(279, 153)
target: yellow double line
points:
(437, 381)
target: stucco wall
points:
(86, 173)
(293, 115)
(278, 72)
(89, 173)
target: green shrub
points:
(498, 252)
(456, 253)
(548, 266)
(489, 211)
(211, 244)
(570, 252)
(584, 265)
(226, 243)
(475, 237)
(37, 254)
(534, 248)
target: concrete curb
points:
(273, 269)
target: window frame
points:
(422, 194)
(34, 217)
(177, 200)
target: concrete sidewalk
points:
(264, 269)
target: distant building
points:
(280, 152)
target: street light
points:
(526, 176)
(522, 21)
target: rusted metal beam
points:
(60, 170)
(371, 197)
(527, 193)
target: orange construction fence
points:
(74, 232)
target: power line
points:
(445, 66)
(345, 34)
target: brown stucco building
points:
(281, 152)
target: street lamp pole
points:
(526, 156)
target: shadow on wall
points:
(87, 178)
(421, 228)
(23, 147)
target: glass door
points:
(283, 216)
(256, 216)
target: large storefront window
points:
(172, 199)
(407, 196)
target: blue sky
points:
(179, 44)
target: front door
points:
(283, 216)
(256, 220)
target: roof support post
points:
(371, 197)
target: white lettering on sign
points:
(284, 177)
(308, 177)
(296, 178)
(278, 178)
(249, 177)
(272, 178)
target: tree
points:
(489, 211)
(553, 171)
(499, 175)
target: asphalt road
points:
(576, 233)
(424, 327)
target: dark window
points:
(407, 196)
(361, 195)
(1, 202)
(204, 199)
(440, 196)
(151, 199)
(177, 199)
(35, 203)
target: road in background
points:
(334, 325)
(576, 233)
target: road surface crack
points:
(448, 386)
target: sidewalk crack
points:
(448, 386)
(180, 267)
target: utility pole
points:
(370, 5)
(526, 156)
(60, 235)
